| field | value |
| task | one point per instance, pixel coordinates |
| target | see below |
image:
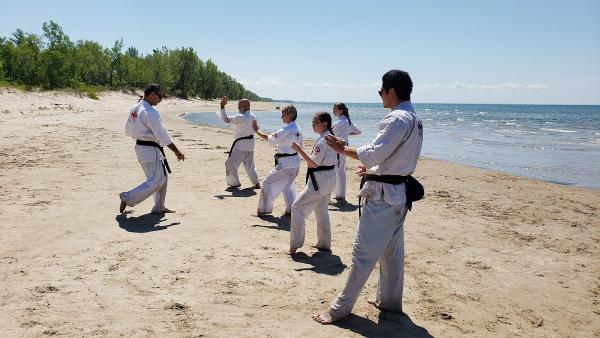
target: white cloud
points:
(263, 81)
(272, 81)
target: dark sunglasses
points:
(381, 92)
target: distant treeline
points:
(53, 61)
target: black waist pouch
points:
(414, 190)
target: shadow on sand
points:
(323, 262)
(246, 192)
(283, 222)
(388, 324)
(143, 223)
(342, 206)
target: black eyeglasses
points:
(380, 92)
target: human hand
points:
(335, 143)
(255, 125)
(296, 146)
(180, 156)
(361, 170)
(224, 100)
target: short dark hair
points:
(152, 88)
(400, 81)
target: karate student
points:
(242, 148)
(287, 163)
(145, 126)
(342, 128)
(386, 162)
(320, 182)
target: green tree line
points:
(53, 61)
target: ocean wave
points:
(560, 130)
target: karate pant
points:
(233, 163)
(340, 181)
(308, 201)
(156, 183)
(379, 237)
(277, 181)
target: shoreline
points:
(487, 253)
(312, 139)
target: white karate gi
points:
(144, 123)
(310, 200)
(282, 177)
(343, 129)
(380, 234)
(243, 151)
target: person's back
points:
(242, 127)
(242, 148)
(409, 141)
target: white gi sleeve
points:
(276, 137)
(158, 129)
(236, 119)
(318, 151)
(384, 144)
(354, 130)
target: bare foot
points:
(291, 251)
(256, 186)
(320, 249)
(324, 318)
(122, 207)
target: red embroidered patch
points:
(133, 115)
(317, 149)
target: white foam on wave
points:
(560, 130)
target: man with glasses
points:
(146, 127)
(386, 163)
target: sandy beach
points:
(487, 254)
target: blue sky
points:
(545, 52)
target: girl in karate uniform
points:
(320, 182)
(342, 128)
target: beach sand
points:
(487, 254)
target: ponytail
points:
(325, 117)
(344, 110)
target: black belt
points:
(310, 173)
(156, 145)
(237, 139)
(280, 155)
(390, 179)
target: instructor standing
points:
(145, 126)
(242, 148)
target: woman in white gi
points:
(320, 182)
(342, 128)
(145, 126)
(287, 163)
(242, 149)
